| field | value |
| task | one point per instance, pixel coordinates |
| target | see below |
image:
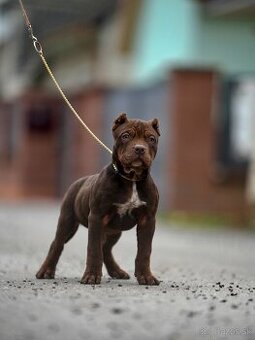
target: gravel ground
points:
(207, 289)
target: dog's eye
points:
(152, 139)
(125, 136)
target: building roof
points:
(233, 8)
(49, 19)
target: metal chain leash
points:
(39, 50)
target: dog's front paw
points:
(147, 279)
(91, 279)
(45, 273)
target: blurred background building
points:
(188, 62)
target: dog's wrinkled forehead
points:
(122, 123)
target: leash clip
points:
(36, 43)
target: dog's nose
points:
(139, 149)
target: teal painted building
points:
(174, 33)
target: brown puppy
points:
(121, 196)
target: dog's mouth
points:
(137, 163)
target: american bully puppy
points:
(121, 196)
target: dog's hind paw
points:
(119, 274)
(47, 273)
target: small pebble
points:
(234, 306)
(191, 314)
(117, 310)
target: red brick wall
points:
(193, 150)
(44, 164)
(85, 150)
(37, 157)
(8, 177)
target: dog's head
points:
(135, 145)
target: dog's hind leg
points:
(67, 227)
(112, 267)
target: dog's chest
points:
(132, 203)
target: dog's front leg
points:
(93, 271)
(145, 232)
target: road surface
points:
(207, 289)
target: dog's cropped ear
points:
(121, 119)
(155, 125)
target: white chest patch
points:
(132, 203)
